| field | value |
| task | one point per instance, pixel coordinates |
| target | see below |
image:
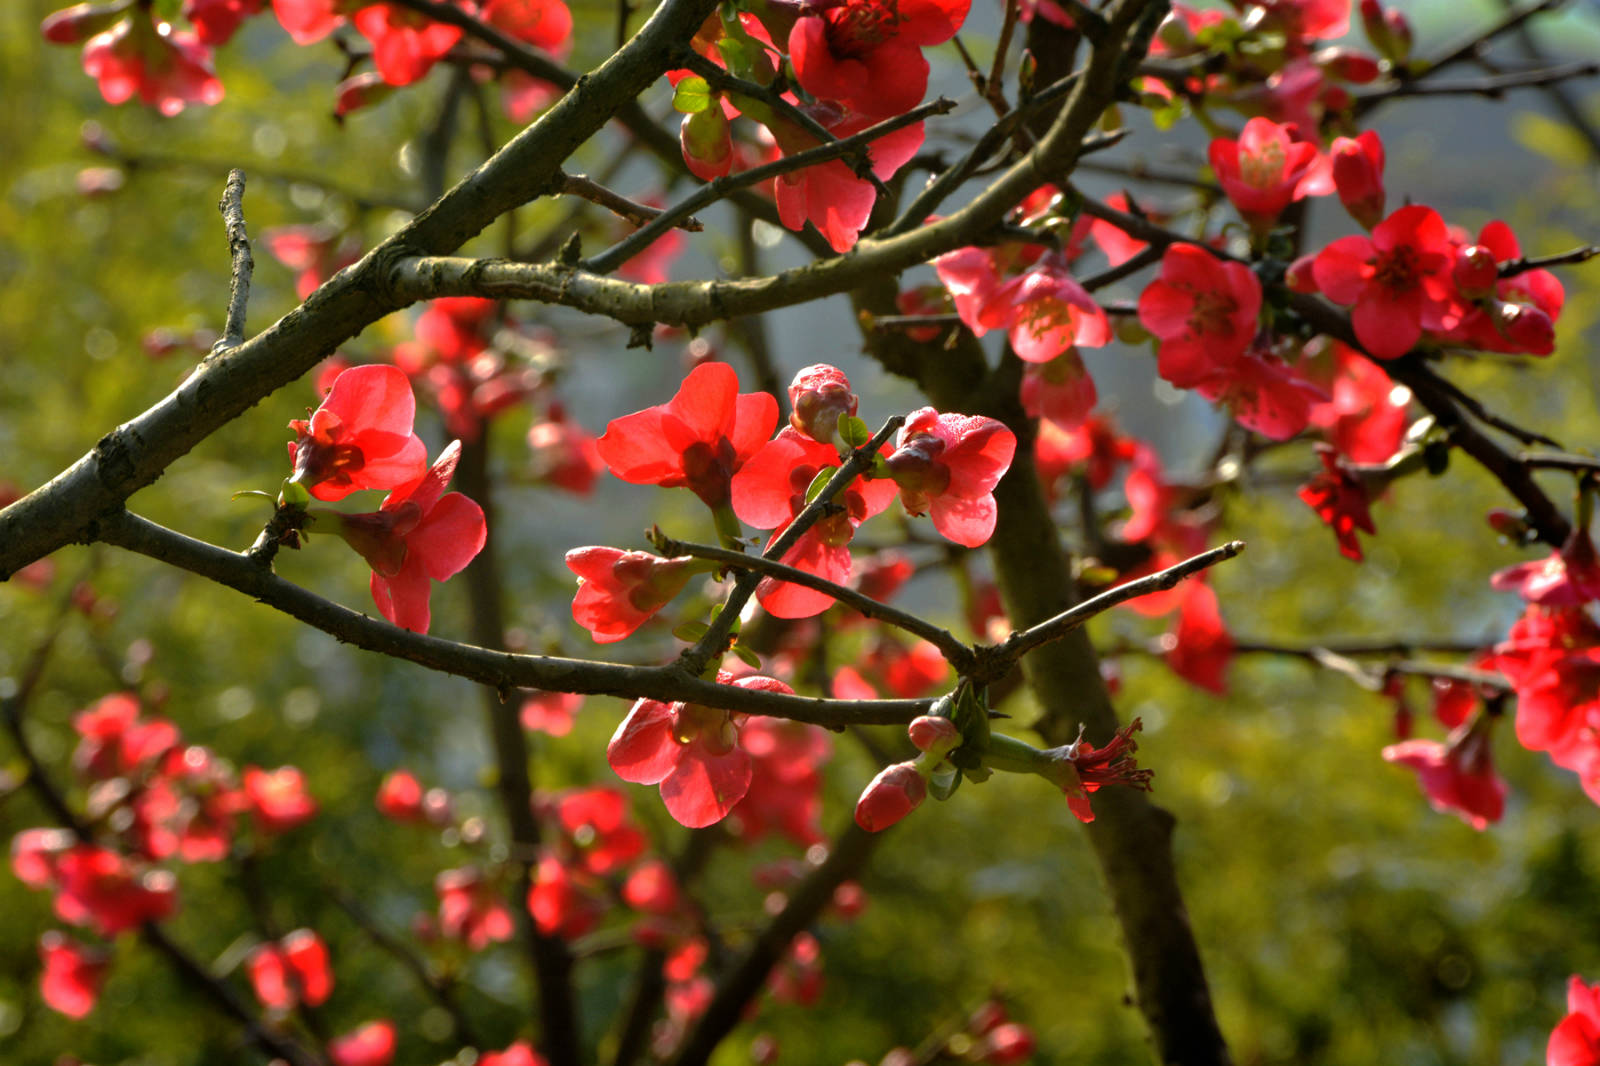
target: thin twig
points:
(711, 192)
(1581, 464)
(1135, 263)
(887, 322)
(628, 210)
(1492, 86)
(716, 639)
(998, 659)
(243, 265)
(956, 653)
(1512, 267)
(1489, 418)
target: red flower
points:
(405, 45)
(594, 822)
(518, 1054)
(545, 24)
(699, 438)
(564, 453)
(829, 195)
(1082, 768)
(470, 909)
(98, 888)
(819, 396)
(652, 889)
(619, 591)
(1203, 310)
(278, 798)
(1060, 391)
(1399, 280)
(785, 793)
(361, 437)
(370, 1045)
(1050, 313)
(1005, 1045)
(1576, 1040)
(1264, 171)
(1199, 647)
(867, 54)
(1340, 500)
(1457, 776)
(292, 970)
(215, 21)
(315, 252)
(1365, 420)
(1552, 659)
(309, 21)
(947, 465)
(550, 712)
(418, 535)
(563, 905)
(115, 742)
(691, 751)
(168, 70)
(770, 491)
(400, 797)
(72, 974)
(1113, 239)
(896, 792)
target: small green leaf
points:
(293, 494)
(854, 431)
(747, 656)
(692, 96)
(689, 632)
(824, 476)
(944, 782)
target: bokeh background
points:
(1342, 920)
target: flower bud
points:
(1357, 68)
(820, 395)
(1526, 328)
(1299, 277)
(1004, 1045)
(78, 23)
(707, 143)
(400, 797)
(359, 91)
(1358, 176)
(934, 735)
(1388, 31)
(1476, 271)
(1509, 524)
(894, 793)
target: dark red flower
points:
(1340, 500)
(1082, 769)
(1358, 176)
(699, 438)
(215, 21)
(1199, 648)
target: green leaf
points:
(690, 632)
(294, 494)
(853, 431)
(747, 656)
(824, 476)
(944, 781)
(692, 96)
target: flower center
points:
(1212, 313)
(1264, 169)
(856, 27)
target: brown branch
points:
(1512, 267)
(1581, 464)
(243, 265)
(628, 210)
(1492, 86)
(503, 670)
(956, 653)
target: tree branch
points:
(243, 265)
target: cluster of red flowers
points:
(160, 801)
(131, 50)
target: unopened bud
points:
(1005, 1045)
(935, 735)
(1299, 277)
(359, 91)
(78, 23)
(1509, 524)
(1358, 176)
(1358, 68)
(1476, 271)
(820, 395)
(1388, 30)
(1527, 329)
(707, 143)
(894, 793)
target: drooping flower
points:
(1199, 648)
(1399, 280)
(72, 974)
(867, 54)
(618, 591)
(166, 69)
(292, 970)
(1060, 391)
(1457, 776)
(1082, 769)
(1566, 578)
(1365, 418)
(1552, 659)
(1358, 176)
(785, 794)
(829, 195)
(770, 491)
(947, 466)
(564, 453)
(361, 436)
(691, 751)
(699, 438)
(418, 535)
(1340, 500)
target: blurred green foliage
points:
(1342, 920)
